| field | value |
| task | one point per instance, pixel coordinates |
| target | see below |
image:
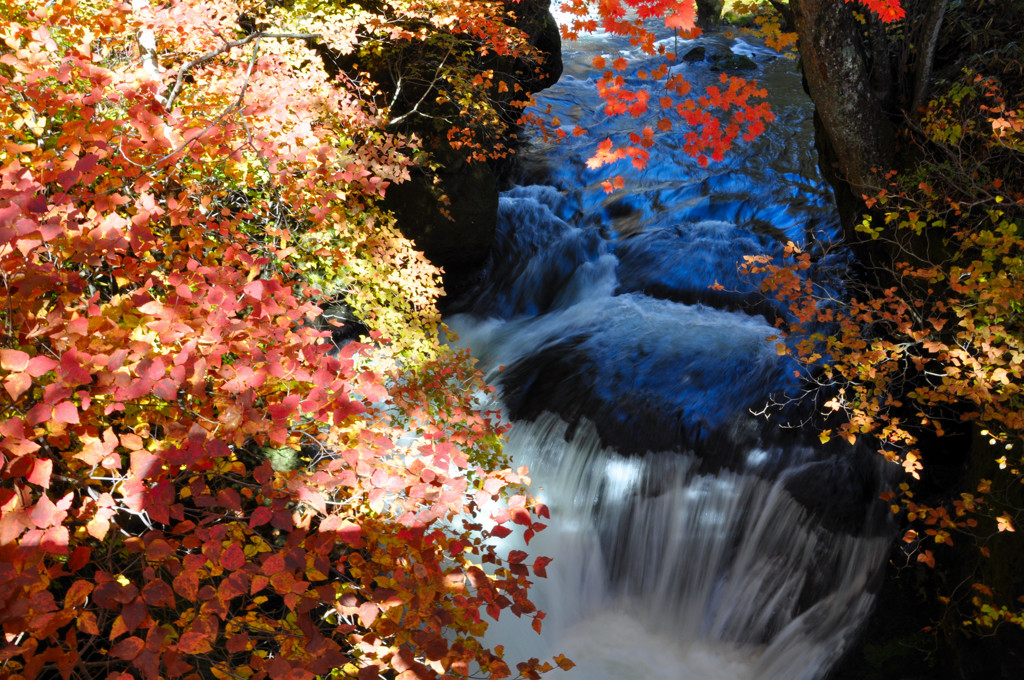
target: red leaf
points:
(144, 464)
(186, 584)
(237, 643)
(371, 672)
(887, 10)
(500, 531)
(77, 593)
(273, 564)
(682, 16)
(516, 556)
(19, 447)
(521, 516)
(368, 613)
(166, 389)
(68, 179)
(133, 614)
(194, 643)
(346, 531)
(45, 514)
(159, 549)
(128, 648)
(233, 586)
(233, 558)
(40, 366)
(260, 516)
(158, 593)
(254, 289)
(313, 497)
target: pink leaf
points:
(13, 360)
(66, 412)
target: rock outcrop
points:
(451, 212)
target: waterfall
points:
(692, 539)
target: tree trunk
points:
(709, 13)
(855, 136)
(927, 39)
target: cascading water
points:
(691, 539)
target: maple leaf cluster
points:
(714, 120)
(196, 482)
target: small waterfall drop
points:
(692, 539)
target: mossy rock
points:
(734, 62)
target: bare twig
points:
(430, 88)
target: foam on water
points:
(691, 540)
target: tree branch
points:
(210, 56)
(430, 88)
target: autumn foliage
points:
(195, 481)
(713, 119)
(931, 341)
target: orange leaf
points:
(564, 662)
(683, 16)
(194, 643)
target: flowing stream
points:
(692, 537)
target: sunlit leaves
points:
(716, 120)
(939, 347)
(769, 25)
(887, 10)
(194, 478)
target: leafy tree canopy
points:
(196, 482)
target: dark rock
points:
(451, 214)
(534, 18)
(734, 62)
(452, 221)
(341, 321)
(696, 54)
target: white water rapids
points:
(691, 539)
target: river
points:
(695, 534)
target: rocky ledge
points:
(451, 210)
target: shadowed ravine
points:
(691, 538)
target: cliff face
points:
(450, 206)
